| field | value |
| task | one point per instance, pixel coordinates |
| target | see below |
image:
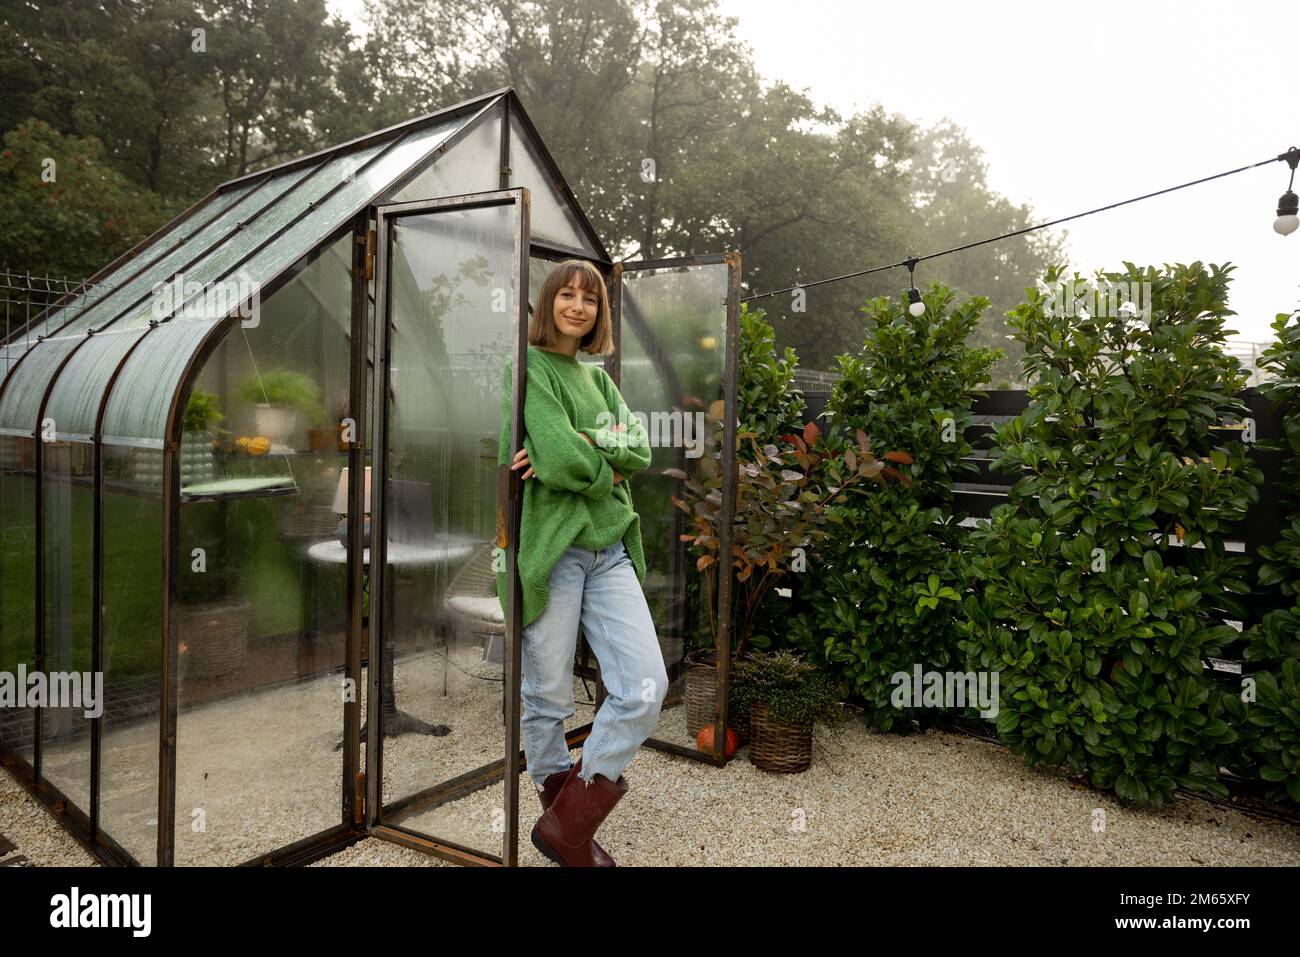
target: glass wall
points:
(260, 625)
(673, 352)
(132, 516)
(471, 166)
(69, 541)
(552, 219)
(18, 582)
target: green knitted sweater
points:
(571, 499)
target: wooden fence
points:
(987, 489)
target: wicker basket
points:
(777, 746)
(216, 637)
(308, 521)
(701, 695)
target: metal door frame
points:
(509, 508)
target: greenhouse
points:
(176, 447)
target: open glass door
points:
(678, 343)
(443, 678)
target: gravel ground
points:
(870, 798)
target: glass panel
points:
(76, 396)
(674, 324)
(335, 211)
(116, 291)
(219, 273)
(453, 321)
(138, 407)
(21, 402)
(132, 516)
(142, 394)
(551, 218)
(260, 625)
(219, 231)
(471, 166)
(68, 495)
(18, 581)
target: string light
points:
(915, 307)
(1289, 205)
(1285, 223)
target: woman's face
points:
(575, 311)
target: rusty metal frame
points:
(510, 501)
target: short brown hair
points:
(573, 272)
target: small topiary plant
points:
(795, 691)
(202, 411)
(1095, 602)
(285, 387)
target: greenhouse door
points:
(678, 343)
(451, 315)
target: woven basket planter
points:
(701, 695)
(308, 521)
(216, 637)
(776, 746)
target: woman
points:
(580, 561)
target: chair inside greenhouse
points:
(258, 454)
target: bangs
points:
(583, 276)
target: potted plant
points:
(781, 697)
(781, 511)
(197, 462)
(279, 397)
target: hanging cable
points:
(1290, 157)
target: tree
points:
(66, 210)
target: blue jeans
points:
(600, 590)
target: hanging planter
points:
(278, 398)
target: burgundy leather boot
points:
(547, 796)
(565, 830)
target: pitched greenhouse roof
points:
(247, 233)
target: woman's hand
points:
(617, 477)
(520, 460)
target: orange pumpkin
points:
(704, 740)
(260, 445)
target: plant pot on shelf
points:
(215, 635)
(777, 746)
(197, 461)
(277, 423)
(323, 440)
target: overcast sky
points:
(1078, 107)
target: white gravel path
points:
(870, 798)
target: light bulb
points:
(915, 306)
(1287, 220)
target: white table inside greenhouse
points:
(447, 549)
